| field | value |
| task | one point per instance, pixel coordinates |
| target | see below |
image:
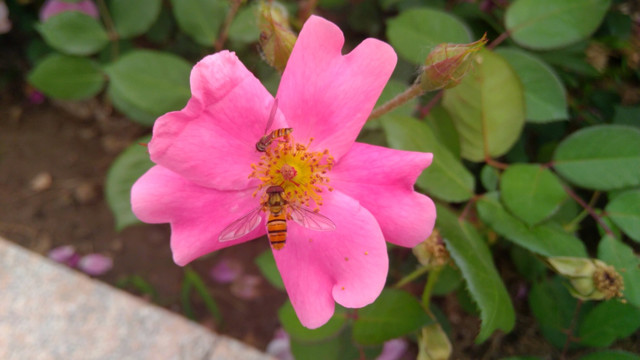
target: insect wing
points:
(242, 226)
(311, 220)
(272, 115)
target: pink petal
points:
(197, 214)
(95, 264)
(382, 179)
(326, 95)
(54, 7)
(348, 264)
(62, 254)
(226, 271)
(212, 140)
(393, 349)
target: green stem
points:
(428, 288)
(409, 278)
(571, 226)
(111, 29)
(411, 92)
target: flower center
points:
(300, 172)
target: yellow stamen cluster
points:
(302, 173)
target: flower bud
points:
(276, 37)
(433, 343)
(432, 252)
(447, 64)
(590, 279)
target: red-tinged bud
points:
(447, 64)
(276, 37)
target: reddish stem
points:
(497, 41)
(235, 5)
(589, 209)
(433, 102)
(306, 9)
(496, 164)
(467, 207)
(570, 330)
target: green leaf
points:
(627, 115)
(545, 240)
(604, 157)
(446, 178)
(244, 27)
(611, 355)
(67, 77)
(151, 81)
(551, 24)
(267, 265)
(607, 322)
(624, 210)
(200, 19)
(162, 28)
(340, 347)
(443, 129)
(294, 328)
(531, 192)
(489, 176)
(471, 254)
(74, 33)
(528, 265)
(139, 284)
(566, 216)
(621, 256)
(133, 18)
(395, 313)
(124, 171)
(415, 32)
(131, 111)
(193, 283)
(487, 108)
(554, 308)
(544, 94)
(449, 280)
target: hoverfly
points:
(277, 220)
(266, 140)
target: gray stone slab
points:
(48, 311)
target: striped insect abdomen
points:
(280, 133)
(277, 230)
(266, 140)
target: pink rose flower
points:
(54, 7)
(209, 173)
